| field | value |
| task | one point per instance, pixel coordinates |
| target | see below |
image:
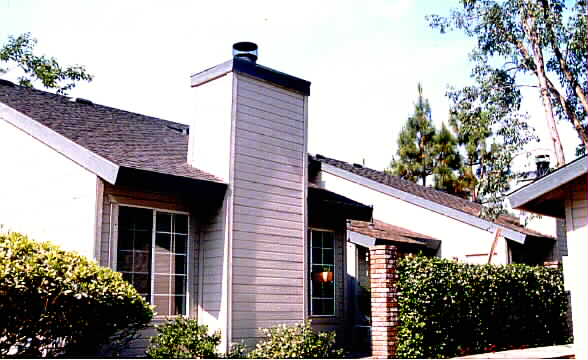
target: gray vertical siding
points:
(268, 208)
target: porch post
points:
(383, 281)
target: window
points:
(322, 270)
(152, 255)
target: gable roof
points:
(435, 200)
(546, 194)
(113, 137)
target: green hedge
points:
(54, 302)
(449, 308)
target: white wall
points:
(577, 266)
(45, 195)
(461, 240)
(210, 132)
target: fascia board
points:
(87, 159)
(424, 203)
(548, 183)
(360, 239)
(212, 73)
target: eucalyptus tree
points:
(18, 54)
(521, 41)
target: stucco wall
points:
(459, 240)
(44, 194)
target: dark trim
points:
(159, 182)
(271, 75)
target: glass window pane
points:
(124, 261)
(161, 305)
(162, 263)
(143, 240)
(178, 305)
(180, 224)
(316, 255)
(328, 240)
(179, 264)
(178, 285)
(141, 262)
(316, 239)
(162, 284)
(163, 222)
(142, 283)
(125, 240)
(328, 256)
(143, 219)
(163, 243)
(181, 243)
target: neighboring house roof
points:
(542, 195)
(382, 231)
(435, 200)
(114, 138)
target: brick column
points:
(383, 282)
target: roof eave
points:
(87, 159)
(427, 204)
(547, 183)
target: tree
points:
(529, 39)
(492, 133)
(18, 52)
(415, 144)
(446, 161)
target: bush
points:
(296, 342)
(449, 309)
(54, 302)
(183, 338)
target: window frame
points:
(189, 251)
(310, 272)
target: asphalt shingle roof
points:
(428, 193)
(381, 230)
(125, 138)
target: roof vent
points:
(357, 165)
(245, 50)
(81, 101)
(6, 82)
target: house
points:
(453, 221)
(227, 220)
(562, 194)
(215, 220)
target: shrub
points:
(183, 338)
(54, 302)
(449, 309)
(298, 341)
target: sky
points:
(363, 58)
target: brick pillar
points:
(383, 282)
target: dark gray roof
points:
(127, 139)
(436, 196)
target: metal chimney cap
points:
(245, 50)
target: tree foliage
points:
(19, 52)
(522, 41)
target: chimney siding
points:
(253, 134)
(269, 184)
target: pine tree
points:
(447, 161)
(415, 144)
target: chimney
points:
(250, 130)
(245, 50)
(542, 165)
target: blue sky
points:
(364, 59)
